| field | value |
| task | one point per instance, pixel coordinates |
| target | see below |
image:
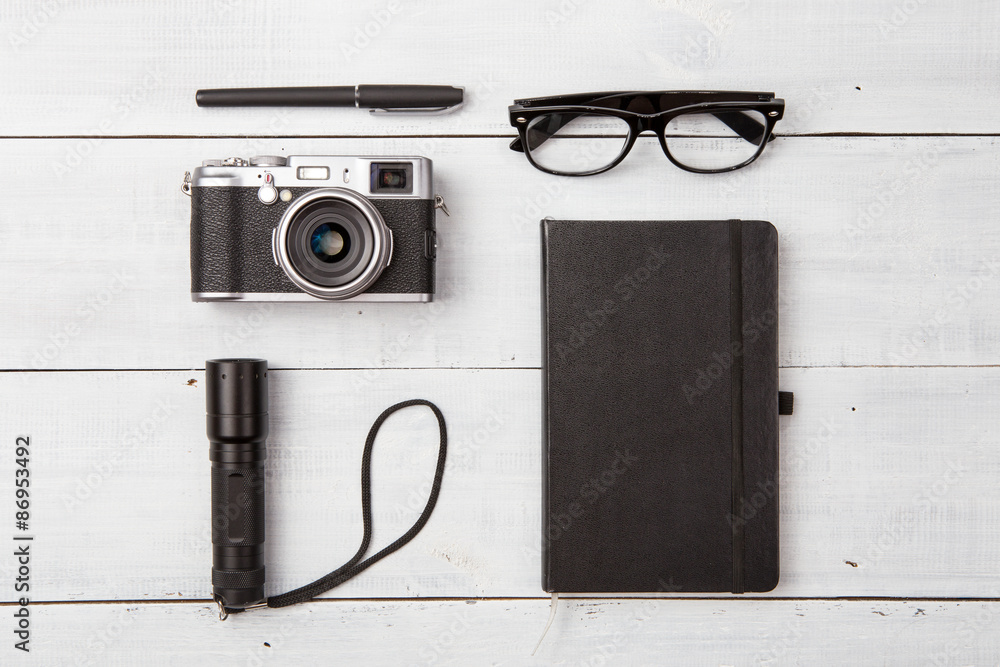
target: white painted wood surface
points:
(890, 309)
(125, 68)
(501, 632)
(911, 281)
(875, 471)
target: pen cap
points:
(409, 97)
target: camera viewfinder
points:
(392, 178)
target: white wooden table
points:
(883, 186)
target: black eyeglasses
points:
(589, 133)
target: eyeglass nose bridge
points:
(653, 123)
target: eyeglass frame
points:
(522, 112)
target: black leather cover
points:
(231, 243)
(660, 425)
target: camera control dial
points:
(268, 161)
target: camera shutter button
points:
(267, 194)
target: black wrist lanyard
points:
(355, 565)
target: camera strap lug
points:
(186, 184)
(439, 203)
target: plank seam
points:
(733, 598)
(795, 135)
(439, 368)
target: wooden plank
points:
(887, 482)
(861, 66)
(886, 254)
(495, 632)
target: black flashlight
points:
(236, 397)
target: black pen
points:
(377, 98)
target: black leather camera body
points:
(313, 228)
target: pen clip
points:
(418, 111)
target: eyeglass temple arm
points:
(743, 125)
(740, 123)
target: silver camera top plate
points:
(314, 171)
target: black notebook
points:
(660, 436)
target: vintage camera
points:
(307, 228)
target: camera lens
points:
(333, 243)
(330, 242)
